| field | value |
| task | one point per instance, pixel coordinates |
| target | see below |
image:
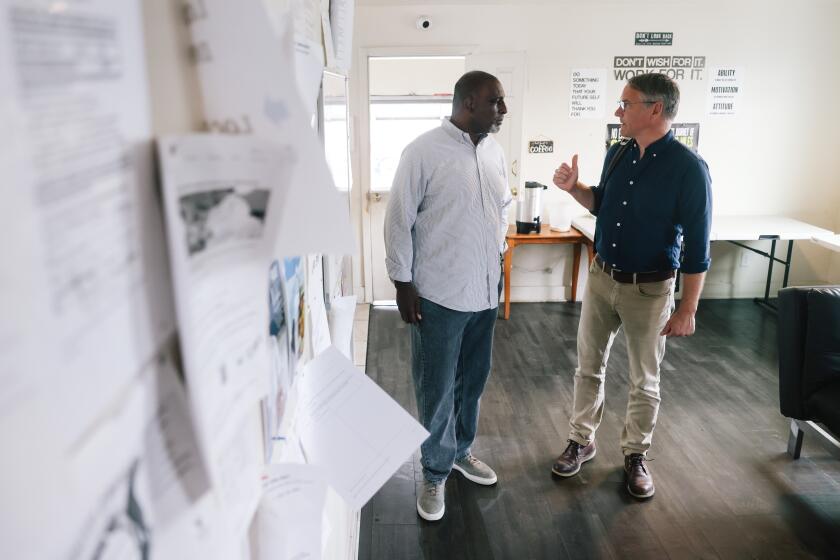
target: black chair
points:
(809, 364)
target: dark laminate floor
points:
(725, 487)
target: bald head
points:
(478, 103)
(470, 85)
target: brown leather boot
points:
(639, 479)
(568, 464)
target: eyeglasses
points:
(623, 104)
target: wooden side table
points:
(545, 237)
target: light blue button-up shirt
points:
(446, 220)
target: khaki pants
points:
(643, 310)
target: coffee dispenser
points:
(528, 207)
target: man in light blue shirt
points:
(444, 233)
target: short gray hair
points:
(658, 87)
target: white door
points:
(510, 69)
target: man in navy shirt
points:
(654, 199)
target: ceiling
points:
(449, 2)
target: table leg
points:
(770, 270)
(508, 266)
(575, 270)
(590, 250)
(787, 263)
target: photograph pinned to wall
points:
(295, 281)
(224, 216)
(613, 134)
(280, 374)
(686, 133)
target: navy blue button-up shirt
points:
(650, 206)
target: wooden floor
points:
(724, 486)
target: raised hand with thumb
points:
(566, 177)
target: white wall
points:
(175, 100)
(774, 157)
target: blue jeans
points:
(451, 353)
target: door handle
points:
(374, 196)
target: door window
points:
(394, 122)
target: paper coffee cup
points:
(560, 218)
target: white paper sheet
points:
(726, 91)
(290, 450)
(82, 479)
(109, 452)
(351, 428)
(82, 209)
(307, 47)
(319, 327)
(201, 533)
(30, 489)
(309, 50)
(237, 472)
(290, 513)
(172, 468)
(221, 195)
(341, 29)
(326, 26)
(85, 289)
(147, 434)
(586, 95)
(341, 316)
(276, 402)
(255, 49)
(281, 372)
(33, 492)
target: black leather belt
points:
(634, 277)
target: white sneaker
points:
(475, 470)
(430, 502)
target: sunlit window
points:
(394, 122)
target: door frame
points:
(361, 146)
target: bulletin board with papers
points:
(175, 379)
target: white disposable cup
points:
(560, 218)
